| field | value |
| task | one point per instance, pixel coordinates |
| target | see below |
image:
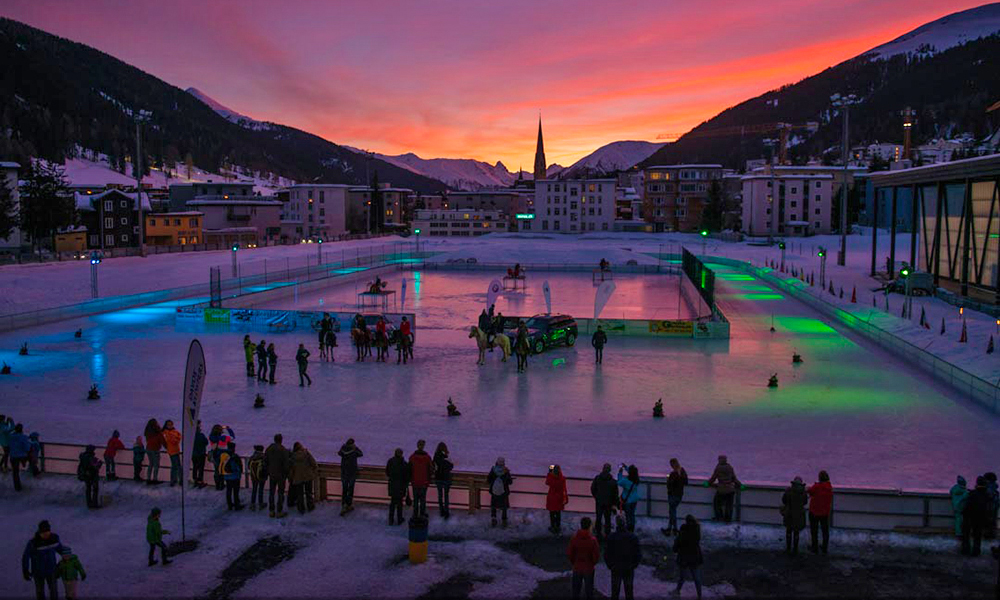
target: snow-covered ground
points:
(361, 556)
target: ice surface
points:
(850, 408)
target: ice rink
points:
(849, 408)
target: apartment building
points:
(174, 228)
(674, 195)
(574, 205)
(787, 204)
(111, 218)
(318, 210)
(462, 223)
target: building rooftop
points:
(249, 201)
(184, 213)
(85, 201)
(685, 166)
(4, 164)
(789, 176)
(979, 167)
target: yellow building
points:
(174, 228)
(71, 239)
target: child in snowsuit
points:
(70, 571)
(138, 453)
(154, 537)
(110, 451)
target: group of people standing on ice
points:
(19, 450)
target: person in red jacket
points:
(405, 347)
(583, 553)
(110, 451)
(421, 474)
(154, 441)
(557, 498)
(820, 505)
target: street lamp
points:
(236, 247)
(417, 233)
(905, 274)
(844, 102)
(781, 246)
(821, 253)
(319, 248)
(704, 238)
(95, 259)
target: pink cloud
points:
(466, 79)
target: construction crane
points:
(783, 129)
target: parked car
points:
(921, 284)
(545, 331)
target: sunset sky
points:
(467, 78)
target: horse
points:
(362, 341)
(403, 344)
(499, 339)
(382, 345)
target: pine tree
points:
(8, 210)
(46, 202)
(714, 210)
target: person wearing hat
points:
(959, 495)
(89, 472)
(499, 481)
(154, 537)
(38, 562)
(793, 512)
(70, 570)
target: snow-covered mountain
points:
(238, 118)
(458, 173)
(616, 156)
(946, 32)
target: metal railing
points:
(983, 392)
(252, 276)
(756, 503)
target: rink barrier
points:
(231, 288)
(758, 504)
(271, 320)
(710, 323)
(979, 390)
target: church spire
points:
(539, 154)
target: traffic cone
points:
(989, 347)
(965, 334)
(854, 295)
(942, 326)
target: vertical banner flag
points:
(492, 293)
(194, 383)
(604, 292)
(402, 295)
(547, 292)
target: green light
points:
(236, 247)
(781, 245)
(703, 280)
(524, 216)
(904, 273)
(821, 253)
(417, 231)
(558, 361)
(704, 232)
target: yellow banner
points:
(674, 328)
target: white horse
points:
(499, 339)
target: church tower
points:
(540, 154)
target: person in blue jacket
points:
(20, 447)
(630, 493)
(232, 473)
(39, 561)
